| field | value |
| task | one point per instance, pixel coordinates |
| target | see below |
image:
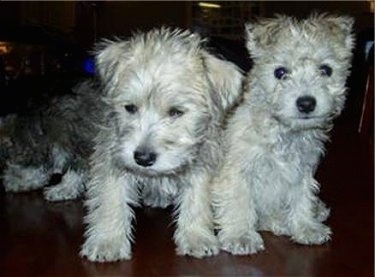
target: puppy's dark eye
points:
(174, 112)
(281, 73)
(131, 108)
(325, 70)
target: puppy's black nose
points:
(144, 158)
(306, 104)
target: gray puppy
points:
(53, 138)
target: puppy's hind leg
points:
(305, 226)
(321, 211)
(60, 157)
(18, 178)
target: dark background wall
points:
(360, 10)
(104, 19)
(89, 20)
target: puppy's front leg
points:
(235, 212)
(108, 231)
(194, 235)
(305, 226)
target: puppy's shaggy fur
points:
(164, 102)
(53, 138)
(275, 138)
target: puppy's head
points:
(301, 66)
(166, 93)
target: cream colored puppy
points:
(164, 102)
(276, 136)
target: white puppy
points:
(276, 136)
(164, 103)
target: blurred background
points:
(45, 45)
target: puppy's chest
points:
(282, 165)
(275, 172)
(295, 149)
(165, 185)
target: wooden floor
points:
(38, 238)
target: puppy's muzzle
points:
(144, 158)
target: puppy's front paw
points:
(106, 250)
(198, 246)
(243, 245)
(315, 234)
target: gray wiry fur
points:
(273, 147)
(165, 96)
(55, 138)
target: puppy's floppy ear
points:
(225, 80)
(109, 56)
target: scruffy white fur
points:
(164, 102)
(275, 138)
